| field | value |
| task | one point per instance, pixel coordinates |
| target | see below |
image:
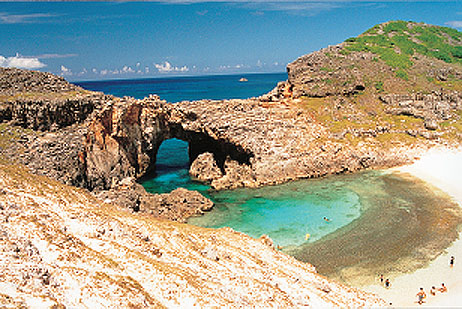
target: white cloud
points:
(454, 23)
(21, 62)
(54, 56)
(83, 72)
(65, 71)
(6, 18)
(127, 69)
(167, 67)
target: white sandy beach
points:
(441, 168)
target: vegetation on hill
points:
(388, 85)
(397, 42)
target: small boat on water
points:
(243, 79)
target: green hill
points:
(397, 82)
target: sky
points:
(122, 40)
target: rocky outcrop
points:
(122, 141)
(47, 113)
(249, 143)
(281, 143)
(178, 205)
(327, 72)
(205, 168)
(14, 81)
(434, 107)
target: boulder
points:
(205, 168)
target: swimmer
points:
(307, 236)
(326, 219)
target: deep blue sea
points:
(291, 214)
(175, 89)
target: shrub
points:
(402, 74)
(396, 26)
(379, 86)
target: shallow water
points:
(405, 223)
(380, 223)
(286, 213)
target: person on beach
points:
(451, 262)
(387, 283)
(433, 291)
(421, 296)
(381, 278)
(443, 288)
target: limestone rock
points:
(431, 124)
(265, 239)
(177, 205)
(205, 168)
(13, 81)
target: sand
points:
(441, 168)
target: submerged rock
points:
(178, 205)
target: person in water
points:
(421, 296)
(326, 219)
(451, 262)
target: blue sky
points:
(91, 41)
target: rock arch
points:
(124, 140)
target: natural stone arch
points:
(200, 143)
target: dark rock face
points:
(59, 155)
(46, 114)
(123, 140)
(43, 101)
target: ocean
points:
(365, 223)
